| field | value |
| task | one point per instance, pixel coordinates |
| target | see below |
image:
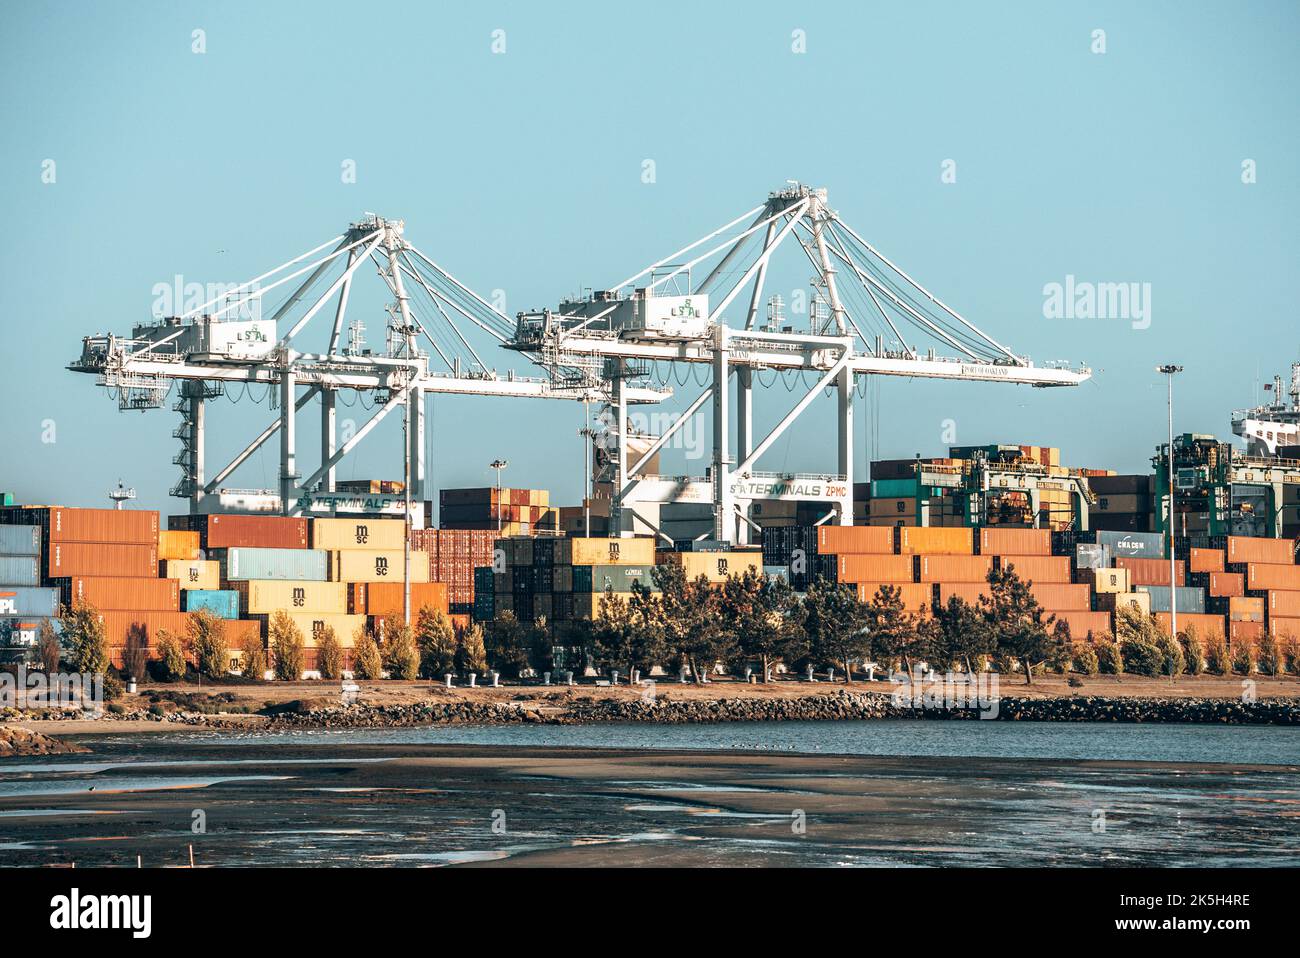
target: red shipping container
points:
(1227, 584)
(61, 524)
(265, 532)
(1035, 568)
(1206, 560)
(1018, 542)
(122, 593)
(1272, 551)
(874, 568)
(1063, 597)
(1238, 631)
(67, 559)
(1152, 571)
(1261, 577)
(953, 568)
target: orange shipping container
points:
(953, 568)
(1285, 604)
(1273, 551)
(124, 594)
(1284, 627)
(1245, 609)
(855, 540)
(1062, 597)
(118, 626)
(386, 598)
(1035, 568)
(101, 559)
(914, 595)
(929, 540)
(1261, 577)
(1205, 624)
(268, 532)
(874, 568)
(98, 525)
(1226, 584)
(177, 544)
(968, 592)
(1018, 542)
(1241, 631)
(1152, 571)
(1083, 623)
(1206, 560)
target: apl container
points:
(24, 631)
(245, 563)
(20, 570)
(20, 540)
(22, 601)
(223, 603)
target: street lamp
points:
(498, 465)
(1169, 370)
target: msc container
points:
(620, 578)
(626, 551)
(336, 534)
(1083, 624)
(251, 532)
(1248, 549)
(874, 568)
(1204, 624)
(23, 601)
(1019, 542)
(387, 598)
(178, 544)
(1062, 597)
(1136, 545)
(1153, 571)
(1189, 600)
(714, 566)
(1105, 581)
(312, 625)
(954, 568)
(20, 570)
(855, 540)
(928, 540)
(20, 540)
(1205, 560)
(1284, 604)
(122, 593)
(1261, 577)
(223, 603)
(1038, 568)
(311, 565)
(61, 524)
(196, 574)
(264, 596)
(373, 565)
(102, 558)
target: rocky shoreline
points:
(22, 741)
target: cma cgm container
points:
(245, 532)
(335, 534)
(1136, 545)
(370, 565)
(223, 603)
(20, 540)
(256, 563)
(102, 558)
(122, 593)
(24, 601)
(60, 524)
(619, 578)
(198, 574)
(930, 540)
(264, 596)
(20, 570)
(627, 551)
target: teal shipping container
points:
(620, 578)
(20, 540)
(22, 600)
(19, 570)
(311, 565)
(223, 603)
(893, 488)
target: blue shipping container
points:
(24, 631)
(22, 600)
(19, 570)
(311, 565)
(20, 540)
(223, 603)
(1189, 599)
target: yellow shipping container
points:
(338, 534)
(624, 551)
(1106, 580)
(177, 544)
(263, 596)
(1114, 601)
(715, 566)
(193, 574)
(586, 605)
(376, 565)
(312, 625)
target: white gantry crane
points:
(866, 317)
(215, 346)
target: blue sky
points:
(522, 172)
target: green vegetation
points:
(436, 641)
(206, 642)
(400, 655)
(367, 663)
(83, 630)
(329, 654)
(286, 644)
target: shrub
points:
(436, 641)
(286, 647)
(1109, 659)
(471, 656)
(367, 663)
(84, 631)
(1289, 653)
(1084, 658)
(1216, 654)
(1075, 682)
(1243, 657)
(171, 657)
(401, 657)
(135, 657)
(1193, 651)
(254, 657)
(329, 654)
(1171, 655)
(206, 638)
(48, 649)
(1141, 658)
(1266, 654)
